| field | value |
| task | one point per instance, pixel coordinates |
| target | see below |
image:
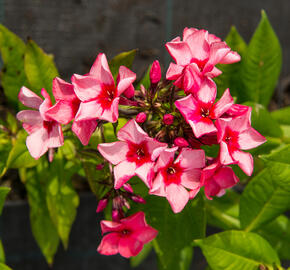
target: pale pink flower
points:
(196, 57)
(127, 236)
(235, 134)
(98, 93)
(174, 177)
(155, 72)
(200, 111)
(44, 132)
(216, 178)
(135, 153)
(66, 107)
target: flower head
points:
(174, 177)
(127, 236)
(44, 132)
(135, 153)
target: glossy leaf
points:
(175, 231)
(282, 115)
(238, 250)
(42, 226)
(62, 199)
(277, 233)
(261, 65)
(123, 59)
(266, 196)
(39, 68)
(12, 76)
(230, 78)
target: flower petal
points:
(225, 102)
(132, 132)
(158, 187)
(114, 152)
(177, 197)
(224, 154)
(55, 136)
(89, 110)
(146, 234)
(231, 57)
(62, 90)
(37, 143)
(198, 44)
(146, 173)
(129, 246)
(245, 161)
(250, 138)
(123, 172)
(125, 79)
(191, 178)
(111, 226)
(135, 222)
(179, 51)
(84, 130)
(29, 98)
(111, 114)
(174, 71)
(109, 244)
(191, 158)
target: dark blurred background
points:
(75, 31)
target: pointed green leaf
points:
(39, 68)
(281, 155)
(12, 76)
(123, 59)
(175, 231)
(231, 78)
(237, 250)
(261, 65)
(266, 196)
(277, 233)
(4, 267)
(62, 199)
(2, 253)
(42, 226)
(3, 193)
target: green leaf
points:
(237, 250)
(42, 226)
(5, 147)
(263, 122)
(123, 59)
(39, 68)
(19, 157)
(280, 155)
(277, 233)
(62, 200)
(223, 212)
(4, 267)
(261, 65)
(135, 261)
(282, 115)
(230, 78)
(175, 231)
(12, 76)
(3, 193)
(2, 253)
(266, 196)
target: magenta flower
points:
(200, 111)
(44, 132)
(196, 57)
(66, 107)
(236, 134)
(98, 93)
(174, 177)
(127, 236)
(135, 153)
(216, 178)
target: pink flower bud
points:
(102, 205)
(100, 166)
(116, 215)
(128, 188)
(168, 119)
(155, 72)
(138, 199)
(181, 142)
(141, 117)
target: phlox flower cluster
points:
(162, 143)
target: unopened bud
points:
(116, 215)
(155, 72)
(168, 119)
(50, 154)
(100, 166)
(141, 117)
(102, 205)
(138, 199)
(128, 188)
(181, 142)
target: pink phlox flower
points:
(196, 57)
(44, 132)
(127, 236)
(200, 110)
(174, 177)
(134, 154)
(98, 93)
(216, 178)
(236, 134)
(66, 107)
(237, 110)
